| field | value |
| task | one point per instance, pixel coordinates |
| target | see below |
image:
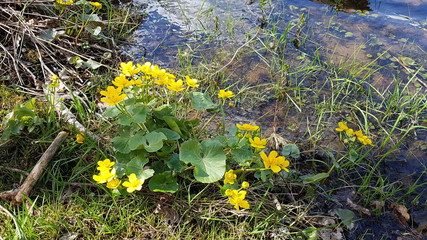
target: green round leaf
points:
(201, 101)
(163, 182)
(291, 150)
(207, 157)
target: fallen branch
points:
(15, 170)
(36, 173)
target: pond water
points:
(391, 33)
(399, 26)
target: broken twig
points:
(37, 171)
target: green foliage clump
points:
(152, 143)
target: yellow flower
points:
(138, 82)
(65, 2)
(247, 127)
(245, 184)
(55, 82)
(237, 198)
(367, 141)
(273, 162)
(359, 134)
(164, 81)
(80, 138)
(342, 126)
(363, 139)
(128, 69)
(229, 192)
(229, 177)
(113, 184)
(175, 86)
(133, 184)
(121, 81)
(191, 82)
(104, 176)
(105, 165)
(350, 131)
(145, 68)
(225, 94)
(113, 95)
(96, 4)
(156, 72)
(257, 142)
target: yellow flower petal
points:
(225, 94)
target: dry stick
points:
(13, 61)
(15, 170)
(69, 51)
(37, 171)
(18, 231)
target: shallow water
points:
(395, 31)
(398, 26)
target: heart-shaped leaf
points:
(201, 101)
(208, 158)
(152, 142)
(163, 182)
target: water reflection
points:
(347, 5)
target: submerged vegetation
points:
(298, 144)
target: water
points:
(397, 26)
(394, 31)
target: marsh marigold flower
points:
(359, 134)
(122, 81)
(362, 138)
(113, 95)
(97, 5)
(144, 68)
(133, 184)
(237, 198)
(273, 162)
(225, 94)
(175, 86)
(191, 82)
(65, 2)
(229, 177)
(258, 143)
(342, 126)
(105, 165)
(104, 176)
(80, 138)
(128, 69)
(157, 72)
(113, 184)
(247, 127)
(245, 184)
